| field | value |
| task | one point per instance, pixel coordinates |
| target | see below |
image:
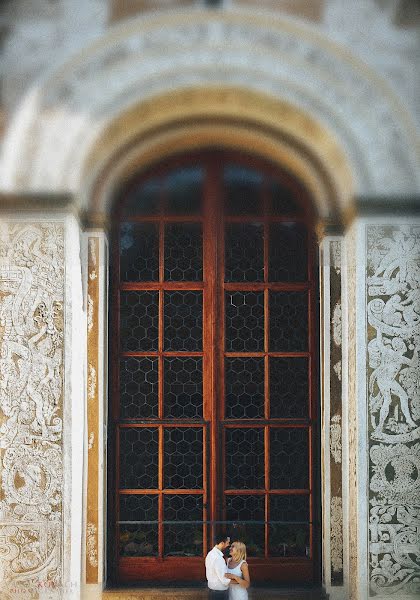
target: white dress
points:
(237, 592)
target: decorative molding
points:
(93, 409)
(31, 406)
(353, 446)
(393, 336)
(332, 272)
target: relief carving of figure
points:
(390, 354)
(31, 380)
(393, 313)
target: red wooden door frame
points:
(265, 569)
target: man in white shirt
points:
(217, 581)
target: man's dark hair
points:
(221, 536)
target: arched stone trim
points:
(197, 118)
(53, 131)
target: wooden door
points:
(214, 370)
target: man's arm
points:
(220, 570)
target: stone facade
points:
(295, 88)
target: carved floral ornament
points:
(31, 382)
(150, 58)
(393, 312)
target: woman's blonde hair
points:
(239, 551)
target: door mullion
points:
(211, 193)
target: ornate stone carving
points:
(31, 388)
(337, 327)
(337, 369)
(336, 256)
(336, 533)
(89, 313)
(91, 382)
(92, 552)
(335, 438)
(393, 309)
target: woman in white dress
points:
(238, 572)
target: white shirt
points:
(215, 570)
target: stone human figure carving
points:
(391, 359)
(400, 254)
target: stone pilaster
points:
(332, 415)
(41, 405)
(383, 291)
(96, 288)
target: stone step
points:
(201, 594)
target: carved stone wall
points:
(393, 411)
(31, 407)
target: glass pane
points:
(244, 458)
(138, 388)
(245, 508)
(288, 252)
(139, 540)
(183, 539)
(241, 509)
(139, 252)
(183, 190)
(138, 458)
(289, 508)
(183, 252)
(282, 200)
(183, 458)
(244, 388)
(143, 199)
(289, 458)
(244, 321)
(242, 186)
(244, 252)
(287, 538)
(183, 395)
(139, 321)
(288, 321)
(183, 321)
(136, 507)
(289, 388)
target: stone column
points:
(383, 332)
(332, 416)
(42, 335)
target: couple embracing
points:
(227, 581)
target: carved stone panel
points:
(31, 407)
(336, 479)
(393, 386)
